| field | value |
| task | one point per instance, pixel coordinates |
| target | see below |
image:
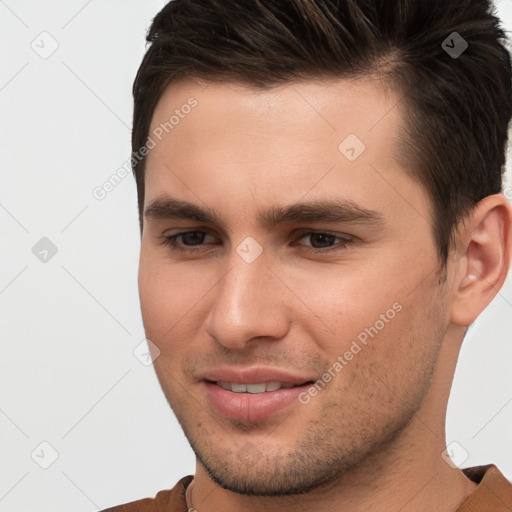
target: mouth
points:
(255, 389)
(253, 401)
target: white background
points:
(68, 327)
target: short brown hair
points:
(456, 107)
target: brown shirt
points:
(493, 494)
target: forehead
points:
(279, 144)
(315, 109)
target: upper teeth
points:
(254, 388)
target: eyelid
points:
(345, 240)
(309, 231)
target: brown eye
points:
(192, 237)
(180, 241)
(320, 241)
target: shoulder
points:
(170, 500)
(493, 493)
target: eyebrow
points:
(328, 210)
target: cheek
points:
(377, 316)
(174, 300)
(164, 296)
(406, 349)
(347, 301)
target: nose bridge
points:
(245, 303)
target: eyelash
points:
(172, 242)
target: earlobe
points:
(483, 265)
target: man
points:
(319, 190)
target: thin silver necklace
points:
(188, 498)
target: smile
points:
(254, 388)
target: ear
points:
(482, 259)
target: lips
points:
(254, 376)
(252, 394)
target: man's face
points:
(257, 297)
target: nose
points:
(249, 302)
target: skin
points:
(373, 439)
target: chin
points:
(245, 473)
